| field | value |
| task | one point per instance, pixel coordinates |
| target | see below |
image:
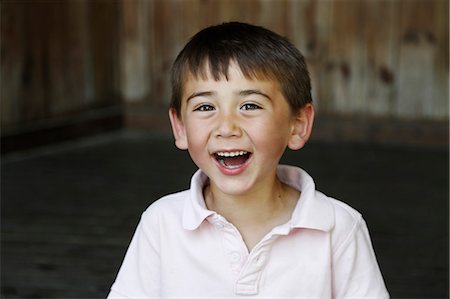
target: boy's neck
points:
(256, 213)
(252, 203)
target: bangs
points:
(217, 68)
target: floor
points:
(68, 211)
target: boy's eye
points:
(204, 107)
(250, 106)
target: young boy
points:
(247, 226)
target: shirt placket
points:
(247, 282)
(234, 247)
(247, 267)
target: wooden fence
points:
(383, 59)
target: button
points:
(235, 256)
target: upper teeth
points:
(231, 154)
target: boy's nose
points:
(228, 126)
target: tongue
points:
(234, 161)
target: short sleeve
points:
(356, 273)
(139, 276)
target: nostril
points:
(228, 130)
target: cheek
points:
(197, 138)
(271, 137)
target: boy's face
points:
(235, 131)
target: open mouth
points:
(232, 160)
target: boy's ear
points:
(178, 129)
(301, 127)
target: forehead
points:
(233, 76)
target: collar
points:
(312, 211)
(195, 210)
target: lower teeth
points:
(222, 162)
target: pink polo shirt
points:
(182, 249)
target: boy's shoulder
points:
(347, 220)
(317, 202)
(165, 214)
(168, 207)
(169, 202)
(343, 212)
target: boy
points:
(247, 226)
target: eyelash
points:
(206, 107)
(250, 106)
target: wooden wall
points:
(377, 58)
(369, 59)
(59, 59)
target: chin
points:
(234, 187)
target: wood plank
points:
(417, 55)
(135, 73)
(12, 63)
(34, 101)
(441, 63)
(308, 31)
(345, 55)
(382, 56)
(100, 52)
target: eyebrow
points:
(201, 94)
(245, 92)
